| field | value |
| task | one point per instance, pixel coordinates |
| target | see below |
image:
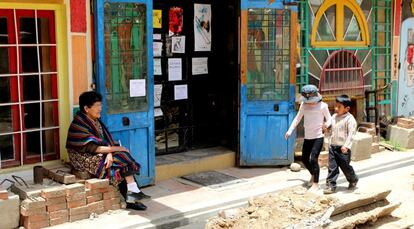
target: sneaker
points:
(353, 184)
(329, 190)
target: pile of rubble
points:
(296, 208)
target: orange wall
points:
(79, 66)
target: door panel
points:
(124, 56)
(266, 88)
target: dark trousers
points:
(337, 160)
(310, 154)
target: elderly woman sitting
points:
(92, 149)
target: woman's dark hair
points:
(344, 100)
(89, 98)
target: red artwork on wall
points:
(78, 16)
(176, 20)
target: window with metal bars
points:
(268, 65)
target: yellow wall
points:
(62, 57)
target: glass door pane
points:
(268, 54)
(125, 55)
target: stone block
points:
(35, 225)
(76, 203)
(401, 136)
(56, 207)
(59, 214)
(32, 211)
(110, 195)
(367, 130)
(97, 207)
(77, 196)
(57, 221)
(361, 146)
(36, 218)
(78, 210)
(4, 195)
(73, 218)
(57, 200)
(94, 198)
(370, 125)
(33, 202)
(54, 192)
(96, 183)
(10, 214)
(73, 189)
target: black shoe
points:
(352, 185)
(142, 195)
(132, 197)
(136, 206)
(329, 190)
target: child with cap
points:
(343, 128)
(315, 112)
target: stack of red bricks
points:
(4, 194)
(101, 197)
(407, 123)
(33, 213)
(69, 203)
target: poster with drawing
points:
(406, 74)
(157, 19)
(178, 44)
(202, 27)
(176, 21)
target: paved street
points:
(178, 203)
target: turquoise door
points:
(266, 90)
(123, 32)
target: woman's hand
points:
(108, 161)
(121, 149)
(287, 135)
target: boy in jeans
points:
(343, 128)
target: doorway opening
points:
(196, 75)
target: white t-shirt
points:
(314, 117)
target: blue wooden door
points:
(123, 32)
(266, 85)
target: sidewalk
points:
(177, 202)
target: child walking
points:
(314, 112)
(343, 128)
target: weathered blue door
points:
(266, 85)
(123, 31)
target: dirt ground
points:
(278, 210)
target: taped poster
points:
(157, 67)
(180, 92)
(157, 95)
(157, 19)
(157, 49)
(176, 21)
(199, 66)
(174, 69)
(202, 27)
(178, 44)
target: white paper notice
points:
(199, 66)
(137, 88)
(156, 36)
(158, 112)
(157, 95)
(178, 44)
(180, 92)
(174, 69)
(157, 67)
(157, 47)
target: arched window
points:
(342, 74)
(337, 8)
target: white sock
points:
(133, 187)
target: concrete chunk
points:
(401, 136)
(10, 214)
(361, 146)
